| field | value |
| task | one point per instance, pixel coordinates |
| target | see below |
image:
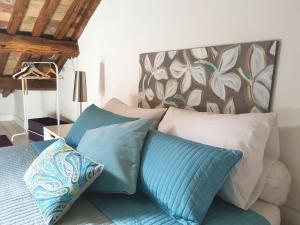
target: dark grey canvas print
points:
(233, 78)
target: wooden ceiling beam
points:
(3, 60)
(37, 45)
(91, 8)
(68, 19)
(17, 16)
(44, 17)
(7, 83)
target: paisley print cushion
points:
(58, 177)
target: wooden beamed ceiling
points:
(39, 30)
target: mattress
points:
(18, 207)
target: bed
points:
(17, 205)
(168, 79)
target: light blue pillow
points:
(118, 148)
(92, 117)
(183, 177)
(57, 177)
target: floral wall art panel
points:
(234, 78)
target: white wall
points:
(39, 104)
(7, 107)
(120, 30)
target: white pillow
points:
(277, 184)
(272, 150)
(247, 134)
(118, 107)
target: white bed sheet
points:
(267, 210)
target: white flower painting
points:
(220, 79)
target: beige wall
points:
(120, 30)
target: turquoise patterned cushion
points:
(57, 177)
(182, 176)
(93, 117)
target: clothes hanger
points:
(31, 72)
(36, 72)
(23, 71)
(51, 73)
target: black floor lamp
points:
(80, 90)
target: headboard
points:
(234, 78)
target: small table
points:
(37, 125)
(55, 131)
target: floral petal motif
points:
(212, 107)
(171, 88)
(228, 59)
(261, 95)
(140, 72)
(273, 48)
(265, 76)
(199, 53)
(160, 74)
(186, 82)
(159, 59)
(141, 95)
(199, 73)
(218, 87)
(219, 81)
(177, 69)
(143, 100)
(172, 54)
(146, 81)
(149, 93)
(176, 101)
(232, 81)
(147, 64)
(214, 52)
(257, 60)
(229, 107)
(194, 98)
(159, 89)
(255, 110)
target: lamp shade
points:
(80, 90)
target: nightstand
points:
(55, 131)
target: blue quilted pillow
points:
(182, 176)
(57, 177)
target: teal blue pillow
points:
(182, 176)
(57, 177)
(118, 148)
(91, 118)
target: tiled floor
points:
(9, 128)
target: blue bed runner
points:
(138, 210)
